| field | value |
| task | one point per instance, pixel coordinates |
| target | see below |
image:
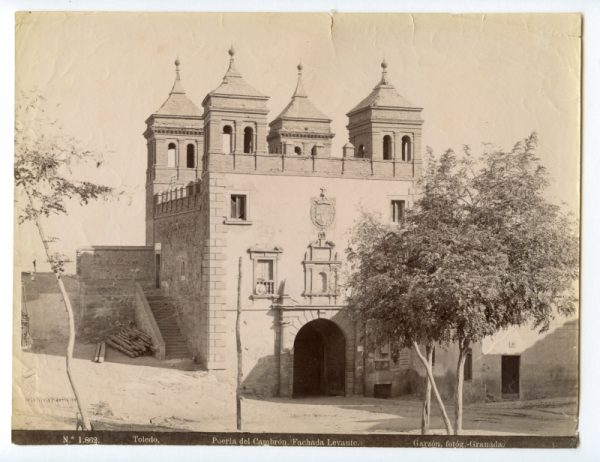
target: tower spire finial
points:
(231, 52)
(177, 63)
(384, 66)
(300, 85)
(231, 71)
(177, 88)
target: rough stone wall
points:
(193, 266)
(184, 242)
(549, 368)
(42, 300)
(107, 293)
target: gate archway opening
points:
(319, 360)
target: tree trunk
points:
(85, 421)
(458, 392)
(425, 418)
(238, 342)
(434, 387)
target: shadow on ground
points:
(87, 351)
(556, 417)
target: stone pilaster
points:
(216, 271)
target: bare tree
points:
(44, 158)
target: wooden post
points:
(238, 341)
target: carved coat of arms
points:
(322, 211)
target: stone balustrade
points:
(339, 167)
(188, 198)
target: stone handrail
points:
(144, 319)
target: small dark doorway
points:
(319, 360)
(157, 271)
(510, 375)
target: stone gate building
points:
(232, 198)
(225, 184)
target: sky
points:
(479, 79)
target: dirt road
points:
(178, 396)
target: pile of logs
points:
(131, 341)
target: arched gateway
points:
(319, 359)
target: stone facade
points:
(199, 239)
(273, 213)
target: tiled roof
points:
(178, 104)
(233, 84)
(383, 95)
(300, 107)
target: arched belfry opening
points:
(406, 149)
(172, 155)
(319, 360)
(191, 156)
(227, 139)
(387, 147)
(248, 140)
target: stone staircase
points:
(164, 314)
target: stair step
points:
(165, 316)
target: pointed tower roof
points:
(300, 107)
(233, 84)
(383, 95)
(178, 104)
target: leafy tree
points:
(44, 180)
(482, 250)
(389, 295)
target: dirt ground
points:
(175, 395)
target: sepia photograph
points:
(297, 229)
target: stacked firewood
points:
(131, 341)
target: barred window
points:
(238, 207)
